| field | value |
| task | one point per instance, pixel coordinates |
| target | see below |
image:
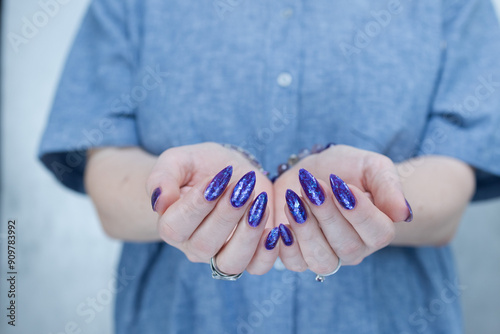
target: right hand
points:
(201, 228)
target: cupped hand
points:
(211, 201)
(340, 203)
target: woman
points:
(407, 90)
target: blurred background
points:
(65, 263)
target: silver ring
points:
(217, 274)
(321, 278)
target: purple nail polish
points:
(342, 192)
(286, 235)
(243, 190)
(296, 206)
(257, 210)
(311, 187)
(218, 184)
(154, 198)
(410, 215)
(272, 238)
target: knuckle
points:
(222, 220)
(193, 258)
(230, 269)
(169, 234)
(322, 267)
(203, 249)
(187, 212)
(256, 271)
(328, 218)
(350, 250)
(365, 219)
(355, 262)
(384, 238)
(385, 161)
(297, 267)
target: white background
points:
(64, 259)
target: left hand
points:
(373, 202)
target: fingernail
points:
(296, 206)
(243, 190)
(154, 198)
(257, 210)
(311, 187)
(410, 215)
(218, 184)
(342, 192)
(286, 235)
(272, 238)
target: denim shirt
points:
(402, 78)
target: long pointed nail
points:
(272, 238)
(243, 190)
(286, 235)
(311, 187)
(410, 212)
(342, 192)
(296, 206)
(218, 184)
(257, 210)
(154, 198)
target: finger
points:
(315, 249)
(339, 233)
(266, 253)
(164, 184)
(235, 256)
(290, 252)
(374, 227)
(382, 180)
(216, 228)
(291, 255)
(182, 218)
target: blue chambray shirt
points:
(403, 78)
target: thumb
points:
(383, 182)
(168, 176)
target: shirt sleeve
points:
(92, 106)
(464, 121)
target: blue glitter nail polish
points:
(410, 215)
(154, 197)
(257, 210)
(218, 184)
(272, 238)
(296, 206)
(243, 190)
(311, 187)
(342, 192)
(286, 235)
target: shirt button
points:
(284, 79)
(278, 265)
(287, 13)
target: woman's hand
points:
(211, 202)
(333, 218)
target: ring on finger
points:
(321, 278)
(217, 274)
